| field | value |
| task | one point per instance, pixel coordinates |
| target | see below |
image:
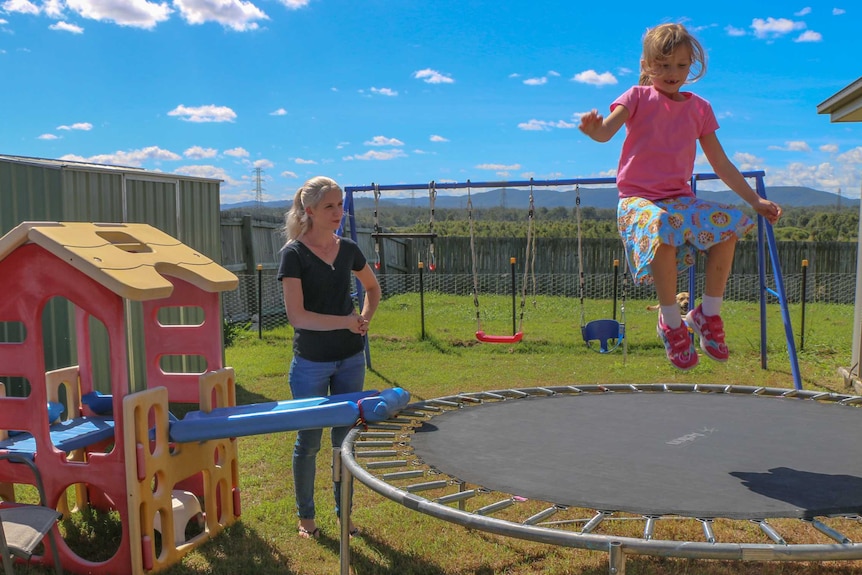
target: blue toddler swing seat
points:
(601, 335)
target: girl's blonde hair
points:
(296, 221)
(660, 42)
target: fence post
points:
(259, 301)
(804, 291)
(422, 298)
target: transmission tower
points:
(258, 188)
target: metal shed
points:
(39, 189)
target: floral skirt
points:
(687, 222)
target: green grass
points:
(397, 541)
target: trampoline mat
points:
(690, 454)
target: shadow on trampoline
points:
(812, 493)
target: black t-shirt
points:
(326, 290)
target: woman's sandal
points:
(306, 534)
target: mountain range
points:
(519, 198)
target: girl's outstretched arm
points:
(730, 175)
(602, 129)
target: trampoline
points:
(615, 468)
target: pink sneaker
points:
(710, 330)
(677, 345)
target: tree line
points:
(817, 224)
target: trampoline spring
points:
(426, 486)
(853, 400)
(384, 426)
(770, 531)
(492, 395)
(590, 525)
(378, 453)
(494, 507)
(396, 475)
(385, 464)
(455, 497)
(445, 403)
(469, 398)
(377, 434)
(828, 531)
(541, 515)
(708, 533)
(424, 407)
(372, 443)
(409, 413)
(539, 390)
(399, 421)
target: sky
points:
(264, 94)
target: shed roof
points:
(846, 105)
(89, 166)
(129, 259)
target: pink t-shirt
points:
(658, 153)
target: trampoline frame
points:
(391, 433)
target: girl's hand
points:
(363, 325)
(591, 122)
(768, 209)
(355, 323)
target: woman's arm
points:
(301, 318)
(730, 175)
(372, 292)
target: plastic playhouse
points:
(121, 450)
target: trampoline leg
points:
(616, 558)
(346, 496)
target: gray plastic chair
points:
(24, 526)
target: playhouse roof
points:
(130, 259)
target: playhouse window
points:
(125, 242)
(181, 315)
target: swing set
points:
(601, 335)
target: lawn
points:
(398, 541)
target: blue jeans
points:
(319, 379)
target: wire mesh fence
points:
(257, 303)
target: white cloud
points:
(288, 174)
(133, 13)
(384, 91)
(553, 73)
(544, 125)
(21, 6)
(594, 78)
(48, 137)
(263, 163)
(838, 11)
(85, 126)
(53, 8)
(210, 172)
(197, 153)
(775, 27)
(853, 156)
(133, 158)
(237, 152)
(430, 76)
(383, 141)
(295, 4)
(303, 161)
(536, 81)
(746, 162)
(279, 112)
(732, 31)
(794, 146)
(436, 138)
(809, 36)
(498, 167)
(210, 113)
(237, 15)
(66, 27)
(829, 148)
(804, 12)
(379, 155)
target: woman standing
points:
(328, 342)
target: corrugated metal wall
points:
(49, 190)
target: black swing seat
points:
(608, 332)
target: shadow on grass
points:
(386, 560)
